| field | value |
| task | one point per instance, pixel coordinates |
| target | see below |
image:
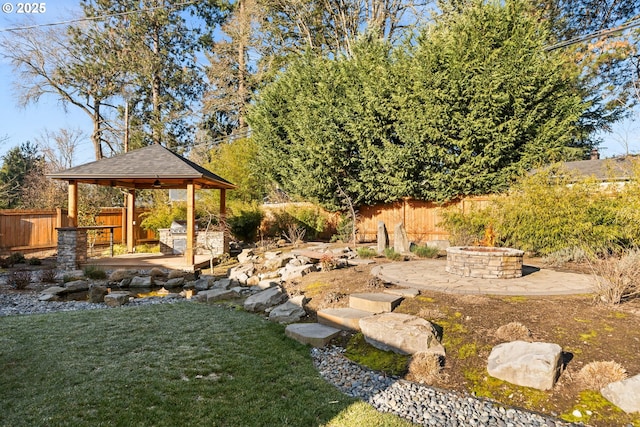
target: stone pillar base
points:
(72, 247)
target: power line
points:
(605, 32)
(96, 18)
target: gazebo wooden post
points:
(189, 253)
(131, 209)
(223, 206)
(72, 211)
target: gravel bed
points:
(27, 303)
(418, 403)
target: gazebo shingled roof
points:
(141, 168)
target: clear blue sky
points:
(28, 124)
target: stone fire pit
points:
(484, 262)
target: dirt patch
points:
(586, 332)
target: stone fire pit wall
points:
(484, 262)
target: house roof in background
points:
(153, 166)
(613, 169)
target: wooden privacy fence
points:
(31, 230)
(421, 219)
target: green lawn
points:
(165, 365)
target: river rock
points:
(265, 299)
(401, 333)
(625, 394)
(528, 364)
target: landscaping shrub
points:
(34, 261)
(19, 279)
(465, 228)
(366, 253)
(163, 213)
(554, 212)
(48, 275)
(147, 249)
(344, 229)
(245, 222)
(595, 375)
(311, 219)
(617, 277)
(391, 254)
(16, 258)
(568, 254)
(328, 262)
(425, 368)
(425, 251)
(94, 272)
(514, 331)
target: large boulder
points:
(383, 237)
(52, 293)
(202, 284)
(289, 312)
(76, 286)
(97, 293)
(401, 333)
(116, 299)
(528, 364)
(175, 282)
(214, 295)
(141, 282)
(291, 271)
(241, 273)
(246, 255)
(624, 394)
(265, 299)
(278, 261)
(400, 239)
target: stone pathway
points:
(431, 275)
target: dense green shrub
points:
(553, 212)
(16, 258)
(34, 261)
(163, 213)
(245, 222)
(344, 229)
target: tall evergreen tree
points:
(474, 102)
(18, 164)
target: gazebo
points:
(151, 167)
